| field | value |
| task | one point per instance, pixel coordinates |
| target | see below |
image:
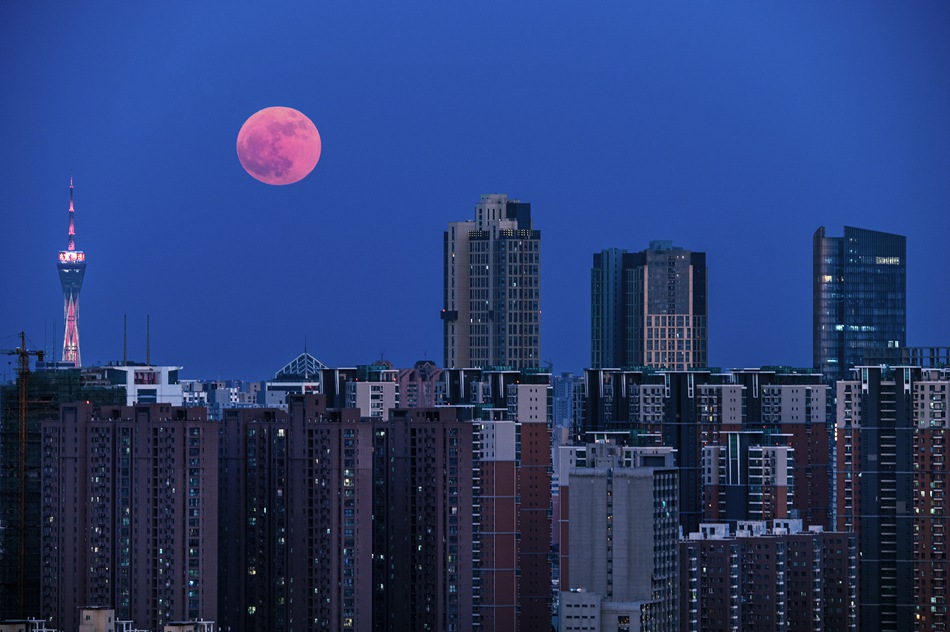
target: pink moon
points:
(278, 145)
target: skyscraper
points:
(332, 520)
(860, 297)
(492, 293)
(877, 490)
(891, 429)
(649, 308)
(511, 495)
(72, 268)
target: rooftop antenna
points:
(125, 339)
(148, 339)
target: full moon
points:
(278, 145)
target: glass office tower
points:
(860, 298)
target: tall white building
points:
(492, 291)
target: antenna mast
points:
(148, 339)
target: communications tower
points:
(72, 268)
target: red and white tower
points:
(72, 268)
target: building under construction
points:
(44, 391)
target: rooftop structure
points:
(303, 366)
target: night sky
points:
(732, 128)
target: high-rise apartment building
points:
(492, 287)
(931, 396)
(333, 520)
(254, 534)
(571, 457)
(129, 514)
(692, 411)
(768, 576)
(20, 473)
(424, 519)
(859, 298)
(72, 268)
(423, 498)
(745, 480)
(892, 484)
(512, 493)
(295, 493)
(622, 529)
(775, 463)
(649, 308)
(567, 401)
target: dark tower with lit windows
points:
(72, 269)
(860, 298)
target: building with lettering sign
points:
(860, 297)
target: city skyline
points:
(731, 130)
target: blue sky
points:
(736, 128)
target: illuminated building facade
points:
(72, 269)
(859, 298)
(492, 287)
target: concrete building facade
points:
(622, 525)
(146, 384)
(492, 287)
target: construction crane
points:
(23, 379)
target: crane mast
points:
(23, 380)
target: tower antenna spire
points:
(71, 246)
(72, 269)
